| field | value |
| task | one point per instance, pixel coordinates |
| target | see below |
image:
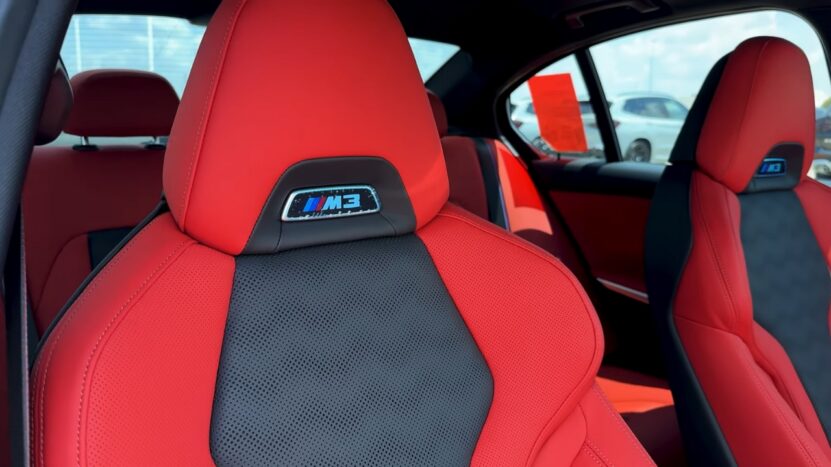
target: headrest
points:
(687, 141)
(439, 114)
(759, 130)
(121, 103)
(303, 122)
(56, 106)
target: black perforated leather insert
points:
(791, 287)
(347, 354)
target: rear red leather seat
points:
(316, 300)
(488, 180)
(738, 265)
(78, 202)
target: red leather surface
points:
(542, 342)
(71, 266)
(121, 103)
(439, 114)
(128, 376)
(352, 88)
(815, 197)
(70, 193)
(765, 98)
(56, 107)
(610, 231)
(527, 216)
(633, 392)
(464, 173)
(747, 378)
(646, 404)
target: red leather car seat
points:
(738, 259)
(78, 202)
(485, 176)
(311, 298)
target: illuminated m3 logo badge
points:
(330, 202)
(772, 167)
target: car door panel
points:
(605, 206)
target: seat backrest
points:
(78, 202)
(738, 251)
(314, 300)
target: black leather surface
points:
(100, 243)
(347, 354)
(396, 217)
(635, 179)
(792, 154)
(791, 288)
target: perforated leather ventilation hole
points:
(348, 354)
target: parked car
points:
(821, 167)
(647, 125)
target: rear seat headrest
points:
(329, 139)
(121, 103)
(762, 111)
(56, 106)
(439, 113)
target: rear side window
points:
(566, 125)
(167, 46)
(649, 80)
(656, 75)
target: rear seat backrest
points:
(487, 179)
(78, 202)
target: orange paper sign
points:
(558, 112)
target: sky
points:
(676, 59)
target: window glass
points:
(431, 55)
(652, 77)
(165, 46)
(580, 122)
(168, 46)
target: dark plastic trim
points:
(635, 179)
(600, 105)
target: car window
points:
(162, 45)
(553, 113)
(657, 74)
(431, 55)
(168, 46)
(675, 110)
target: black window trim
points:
(600, 106)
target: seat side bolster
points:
(742, 394)
(95, 400)
(533, 329)
(744, 379)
